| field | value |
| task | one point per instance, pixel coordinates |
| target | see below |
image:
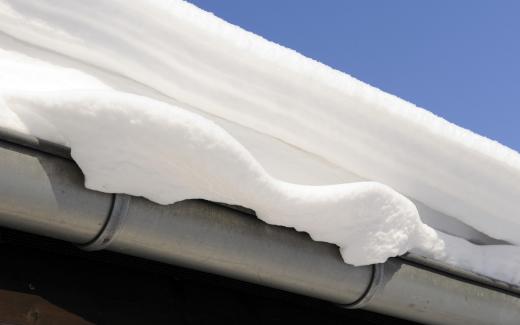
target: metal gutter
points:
(29, 141)
(44, 194)
(460, 273)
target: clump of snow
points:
(114, 138)
(286, 118)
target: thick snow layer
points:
(114, 136)
(139, 99)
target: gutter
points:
(42, 193)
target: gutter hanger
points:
(43, 193)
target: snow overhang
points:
(286, 118)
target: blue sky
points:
(458, 59)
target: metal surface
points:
(373, 287)
(111, 226)
(44, 194)
(216, 239)
(455, 271)
(423, 295)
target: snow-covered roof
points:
(163, 100)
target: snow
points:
(190, 106)
(112, 136)
(500, 262)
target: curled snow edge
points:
(135, 145)
(137, 105)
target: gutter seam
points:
(112, 226)
(376, 281)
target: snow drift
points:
(134, 100)
(131, 144)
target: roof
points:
(191, 106)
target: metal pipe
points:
(43, 194)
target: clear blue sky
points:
(458, 59)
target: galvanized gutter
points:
(43, 193)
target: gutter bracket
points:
(375, 283)
(112, 225)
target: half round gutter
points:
(43, 193)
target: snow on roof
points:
(164, 100)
